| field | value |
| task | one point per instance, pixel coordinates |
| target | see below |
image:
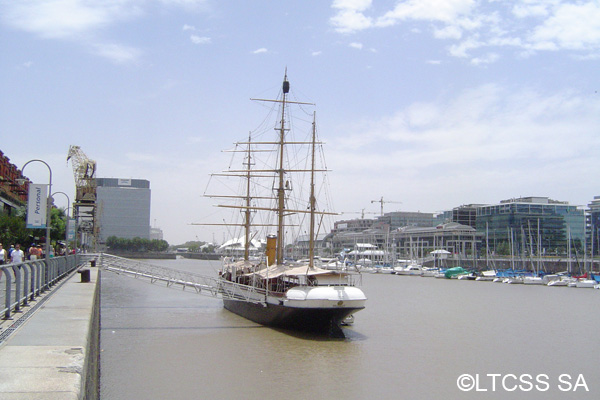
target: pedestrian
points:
(3, 256)
(17, 255)
(33, 255)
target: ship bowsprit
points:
(171, 278)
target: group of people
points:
(16, 255)
(13, 255)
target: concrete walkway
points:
(54, 353)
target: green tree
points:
(13, 230)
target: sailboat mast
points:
(311, 245)
(247, 211)
(281, 188)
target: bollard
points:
(85, 275)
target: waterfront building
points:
(12, 195)
(460, 240)
(399, 219)
(516, 226)
(466, 214)
(354, 225)
(594, 224)
(347, 240)
(156, 234)
(123, 208)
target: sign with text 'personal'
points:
(36, 205)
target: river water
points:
(418, 338)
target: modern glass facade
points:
(594, 214)
(123, 208)
(531, 224)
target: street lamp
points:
(47, 201)
(67, 224)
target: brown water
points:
(414, 340)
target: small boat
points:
(489, 276)
(413, 269)
(430, 272)
(454, 273)
(558, 282)
(586, 283)
(533, 280)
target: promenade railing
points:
(23, 282)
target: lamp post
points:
(47, 202)
(67, 224)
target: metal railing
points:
(202, 284)
(23, 282)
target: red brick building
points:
(12, 195)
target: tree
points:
(136, 244)
(13, 230)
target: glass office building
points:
(123, 208)
(530, 224)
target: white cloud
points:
(64, 18)
(528, 26)
(571, 26)
(261, 50)
(532, 9)
(428, 10)
(187, 27)
(522, 134)
(82, 21)
(316, 53)
(448, 32)
(117, 53)
(356, 45)
(200, 39)
(349, 17)
(486, 59)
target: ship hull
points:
(322, 320)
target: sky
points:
(428, 104)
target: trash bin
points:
(85, 275)
(93, 263)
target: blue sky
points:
(431, 103)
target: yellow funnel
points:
(271, 249)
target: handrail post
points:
(7, 302)
(26, 284)
(17, 271)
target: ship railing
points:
(172, 278)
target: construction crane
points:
(382, 202)
(85, 206)
(362, 213)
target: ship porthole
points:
(340, 303)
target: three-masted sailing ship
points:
(273, 290)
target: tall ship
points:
(276, 194)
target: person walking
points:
(33, 255)
(3, 256)
(17, 255)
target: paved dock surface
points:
(45, 357)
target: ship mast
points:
(248, 200)
(281, 172)
(311, 245)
